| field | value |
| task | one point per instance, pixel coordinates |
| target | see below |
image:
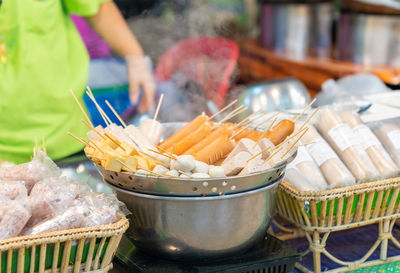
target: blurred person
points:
(42, 57)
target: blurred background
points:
(264, 42)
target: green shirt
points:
(45, 58)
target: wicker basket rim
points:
(339, 192)
(57, 236)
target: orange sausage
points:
(255, 135)
(242, 134)
(187, 142)
(183, 132)
(222, 130)
(215, 150)
(280, 131)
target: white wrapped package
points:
(13, 217)
(39, 168)
(50, 196)
(371, 144)
(309, 169)
(389, 135)
(346, 144)
(333, 169)
(297, 179)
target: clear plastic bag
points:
(346, 144)
(297, 179)
(333, 169)
(372, 146)
(13, 217)
(304, 164)
(50, 197)
(13, 189)
(39, 168)
(389, 135)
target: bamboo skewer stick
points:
(247, 119)
(98, 148)
(272, 154)
(115, 141)
(103, 115)
(254, 156)
(270, 118)
(36, 146)
(77, 138)
(44, 146)
(232, 114)
(238, 132)
(156, 114)
(154, 158)
(223, 109)
(309, 118)
(157, 174)
(181, 172)
(80, 107)
(304, 110)
(265, 132)
(94, 129)
(115, 113)
(162, 154)
(294, 143)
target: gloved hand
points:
(140, 76)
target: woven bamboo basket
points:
(318, 213)
(75, 250)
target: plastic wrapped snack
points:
(51, 196)
(13, 217)
(39, 168)
(297, 179)
(345, 143)
(370, 143)
(88, 210)
(333, 169)
(309, 169)
(389, 135)
(13, 189)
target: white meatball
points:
(217, 171)
(186, 175)
(200, 175)
(184, 163)
(201, 167)
(172, 172)
(160, 169)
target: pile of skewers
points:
(203, 148)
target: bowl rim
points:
(198, 198)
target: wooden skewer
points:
(154, 158)
(230, 115)
(80, 107)
(179, 171)
(237, 113)
(98, 148)
(103, 115)
(265, 132)
(247, 119)
(86, 143)
(77, 138)
(223, 109)
(44, 146)
(271, 117)
(238, 132)
(157, 174)
(94, 129)
(166, 155)
(156, 114)
(309, 117)
(126, 166)
(254, 156)
(273, 153)
(294, 143)
(304, 110)
(115, 113)
(115, 141)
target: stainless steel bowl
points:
(190, 228)
(273, 95)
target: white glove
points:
(140, 76)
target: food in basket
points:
(297, 179)
(309, 170)
(389, 135)
(345, 143)
(333, 169)
(370, 143)
(52, 204)
(39, 168)
(14, 215)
